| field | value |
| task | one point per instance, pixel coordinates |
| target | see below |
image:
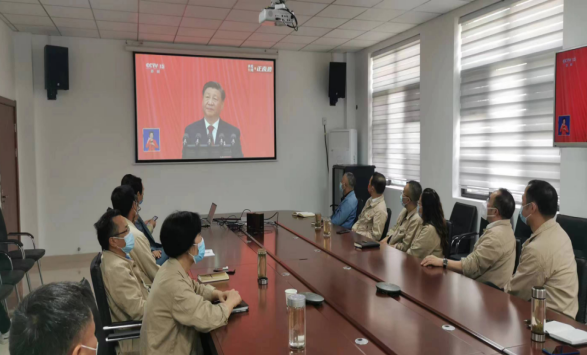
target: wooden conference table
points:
(486, 320)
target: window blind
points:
(395, 114)
(507, 97)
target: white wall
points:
(84, 144)
(6, 62)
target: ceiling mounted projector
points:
(278, 14)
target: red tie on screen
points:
(210, 135)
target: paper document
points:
(565, 333)
(304, 214)
(209, 252)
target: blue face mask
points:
(419, 213)
(141, 202)
(524, 219)
(401, 200)
(340, 188)
(129, 239)
(201, 252)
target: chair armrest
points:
(9, 259)
(11, 241)
(464, 236)
(124, 325)
(119, 336)
(21, 233)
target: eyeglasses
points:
(123, 232)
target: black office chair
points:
(8, 275)
(576, 228)
(99, 332)
(23, 260)
(109, 337)
(360, 206)
(457, 239)
(518, 253)
(522, 231)
(5, 291)
(582, 296)
(462, 220)
(386, 228)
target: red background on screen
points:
(571, 94)
(172, 99)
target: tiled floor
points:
(54, 268)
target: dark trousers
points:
(4, 320)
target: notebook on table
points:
(214, 277)
(304, 214)
(565, 333)
(242, 307)
(366, 244)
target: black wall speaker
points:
(337, 82)
(56, 70)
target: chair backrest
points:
(360, 206)
(100, 335)
(576, 228)
(100, 291)
(523, 231)
(582, 296)
(518, 253)
(462, 218)
(386, 228)
(3, 232)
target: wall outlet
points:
(324, 121)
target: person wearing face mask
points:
(547, 257)
(372, 219)
(179, 308)
(346, 212)
(409, 222)
(124, 200)
(494, 255)
(125, 285)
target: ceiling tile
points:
(302, 19)
(22, 2)
(348, 34)
(194, 40)
(257, 44)
(117, 5)
(180, 2)
(212, 13)
(252, 5)
(393, 27)
(400, 4)
(13, 8)
(317, 48)
(324, 41)
(359, 43)
(159, 8)
(415, 17)
(239, 26)
(243, 16)
(304, 8)
(119, 35)
(156, 37)
(69, 12)
(200, 23)
(299, 39)
(324, 22)
(225, 42)
(117, 26)
(360, 25)
(375, 36)
(195, 32)
(228, 4)
(156, 29)
(70, 3)
(280, 30)
(29, 20)
(311, 31)
(40, 30)
(265, 37)
(319, 1)
(347, 12)
(362, 3)
(343, 49)
(76, 32)
(116, 16)
(232, 35)
(441, 6)
(75, 23)
(379, 15)
(162, 20)
(5, 20)
(289, 46)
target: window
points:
(395, 112)
(507, 97)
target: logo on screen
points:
(569, 61)
(260, 68)
(564, 126)
(151, 140)
(155, 67)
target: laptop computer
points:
(208, 219)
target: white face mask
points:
(485, 212)
(90, 348)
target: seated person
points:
(372, 219)
(148, 226)
(432, 238)
(409, 222)
(123, 199)
(125, 289)
(547, 257)
(54, 319)
(494, 255)
(346, 212)
(179, 308)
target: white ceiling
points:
(325, 25)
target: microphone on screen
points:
(185, 139)
(221, 139)
(198, 137)
(233, 138)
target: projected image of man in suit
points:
(212, 130)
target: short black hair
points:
(415, 190)
(378, 181)
(214, 85)
(50, 320)
(179, 231)
(122, 199)
(544, 196)
(505, 204)
(134, 181)
(106, 228)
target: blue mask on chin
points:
(524, 219)
(201, 252)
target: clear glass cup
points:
(538, 314)
(296, 314)
(327, 227)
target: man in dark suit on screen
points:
(212, 131)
